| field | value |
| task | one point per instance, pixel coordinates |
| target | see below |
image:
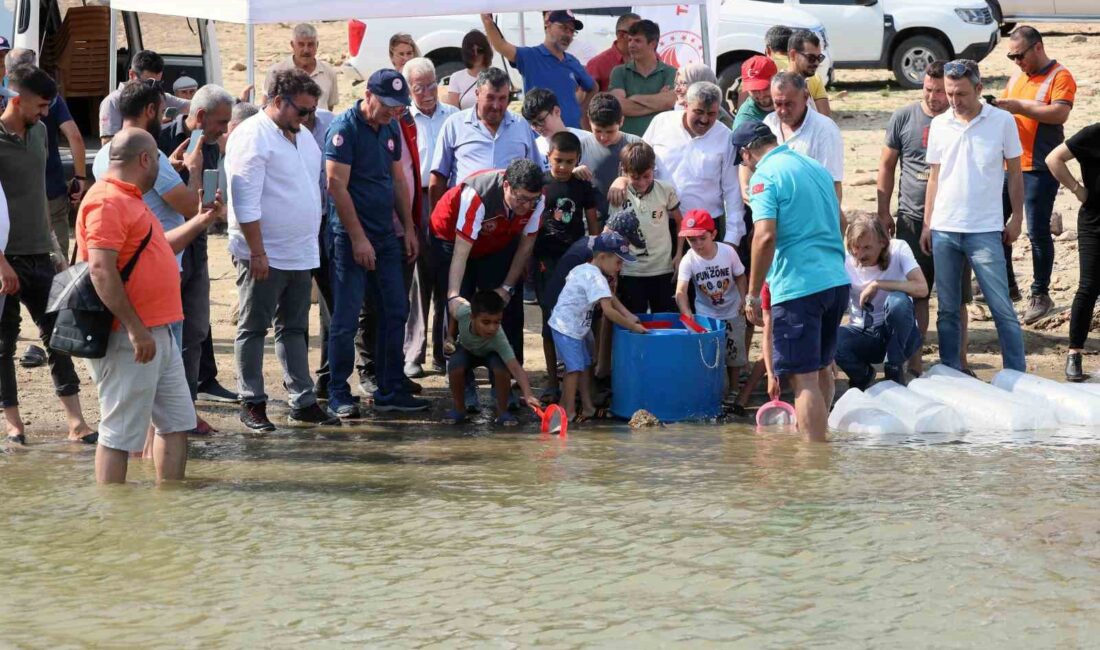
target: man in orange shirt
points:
(1040, 97)
(141, 379)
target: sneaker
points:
(367, 386)
(438, 368)
(529, 297)
(400, 402)
(414, 370)
(214, 392)
(343, 410)
(454, 417)
(1037, 307)
(411, 387)
(320, 391)
(506, 420)
(312, 414)
(895, 374)
(254, 416)
(1074, 371)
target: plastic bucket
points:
(673, 373)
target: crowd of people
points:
(620, 187)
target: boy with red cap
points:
(719, 279)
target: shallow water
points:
(690, 535)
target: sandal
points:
(550, 396)
(33, 357)
(454, 417)
(17, 440)
(506, 420)
(88, 438)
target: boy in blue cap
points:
(362, 161)
(571, 321)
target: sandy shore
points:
(862, 102)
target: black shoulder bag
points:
(83, 322)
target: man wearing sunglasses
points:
(1040, 97)
(147, 67)
(601, 65)
(804, 52)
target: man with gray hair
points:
(805, 131)
(211, 110)
(242, 112)
(693, 155)
(303, 46)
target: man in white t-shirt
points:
(885, 278)
(716, 272)
(805, 131)
(969, 147)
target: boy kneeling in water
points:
(571, 321)
(481, 342)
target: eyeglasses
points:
(520, 199)
(959, 68)
(1019, 55)
(154, 83)
(538, 122)
(302, 112)
(813, 58)
(419, 89)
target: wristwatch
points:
(510, 289)
(753, 301)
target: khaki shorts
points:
(132, 394)
(735, 342)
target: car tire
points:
(911, 57)
(1006, 28)
(730, 78)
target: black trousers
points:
(1088, 286)
(35, 273)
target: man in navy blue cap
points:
(362, 160)
(549, 65)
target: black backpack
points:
(83, 323)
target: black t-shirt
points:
(172, 136)
(563, 219)
(578, 253)
(1085, 146)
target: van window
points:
(7, 19)
(169, 34)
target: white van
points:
(741, 28)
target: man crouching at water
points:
(141, 378)
(797, 245)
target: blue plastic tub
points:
(674, 373)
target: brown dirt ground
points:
(862, 101)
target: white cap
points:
(184, 83)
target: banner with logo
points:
(681, 31)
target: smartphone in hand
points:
(990, 99)
(194, 143)
(209, 185)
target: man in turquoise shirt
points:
(797, 245)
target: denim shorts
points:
(575, 353)
(463, 359)
(804, 331)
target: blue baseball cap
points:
(5, 44)
(564, 16)
(390, 87)
(625, 223)
(745, 134)
(613, 242)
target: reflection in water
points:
(681, 535)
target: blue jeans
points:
(1040, 190)
(385, 287)
(895, 339)
(986, 254)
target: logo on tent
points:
(680, 48)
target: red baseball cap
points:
(757, 72)
(697, 223)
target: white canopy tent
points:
(257, 12)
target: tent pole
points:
(251, 61)
(522, 31)
(704, 32)
(112, 54)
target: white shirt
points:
(275, 182)
(971, 157)
(5, 220)
(818, 138)
(700, 168)
(716, 293)
(901, 264)
(584, 287)
(462, 83)
(428, 128)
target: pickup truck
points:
(1010, 12)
